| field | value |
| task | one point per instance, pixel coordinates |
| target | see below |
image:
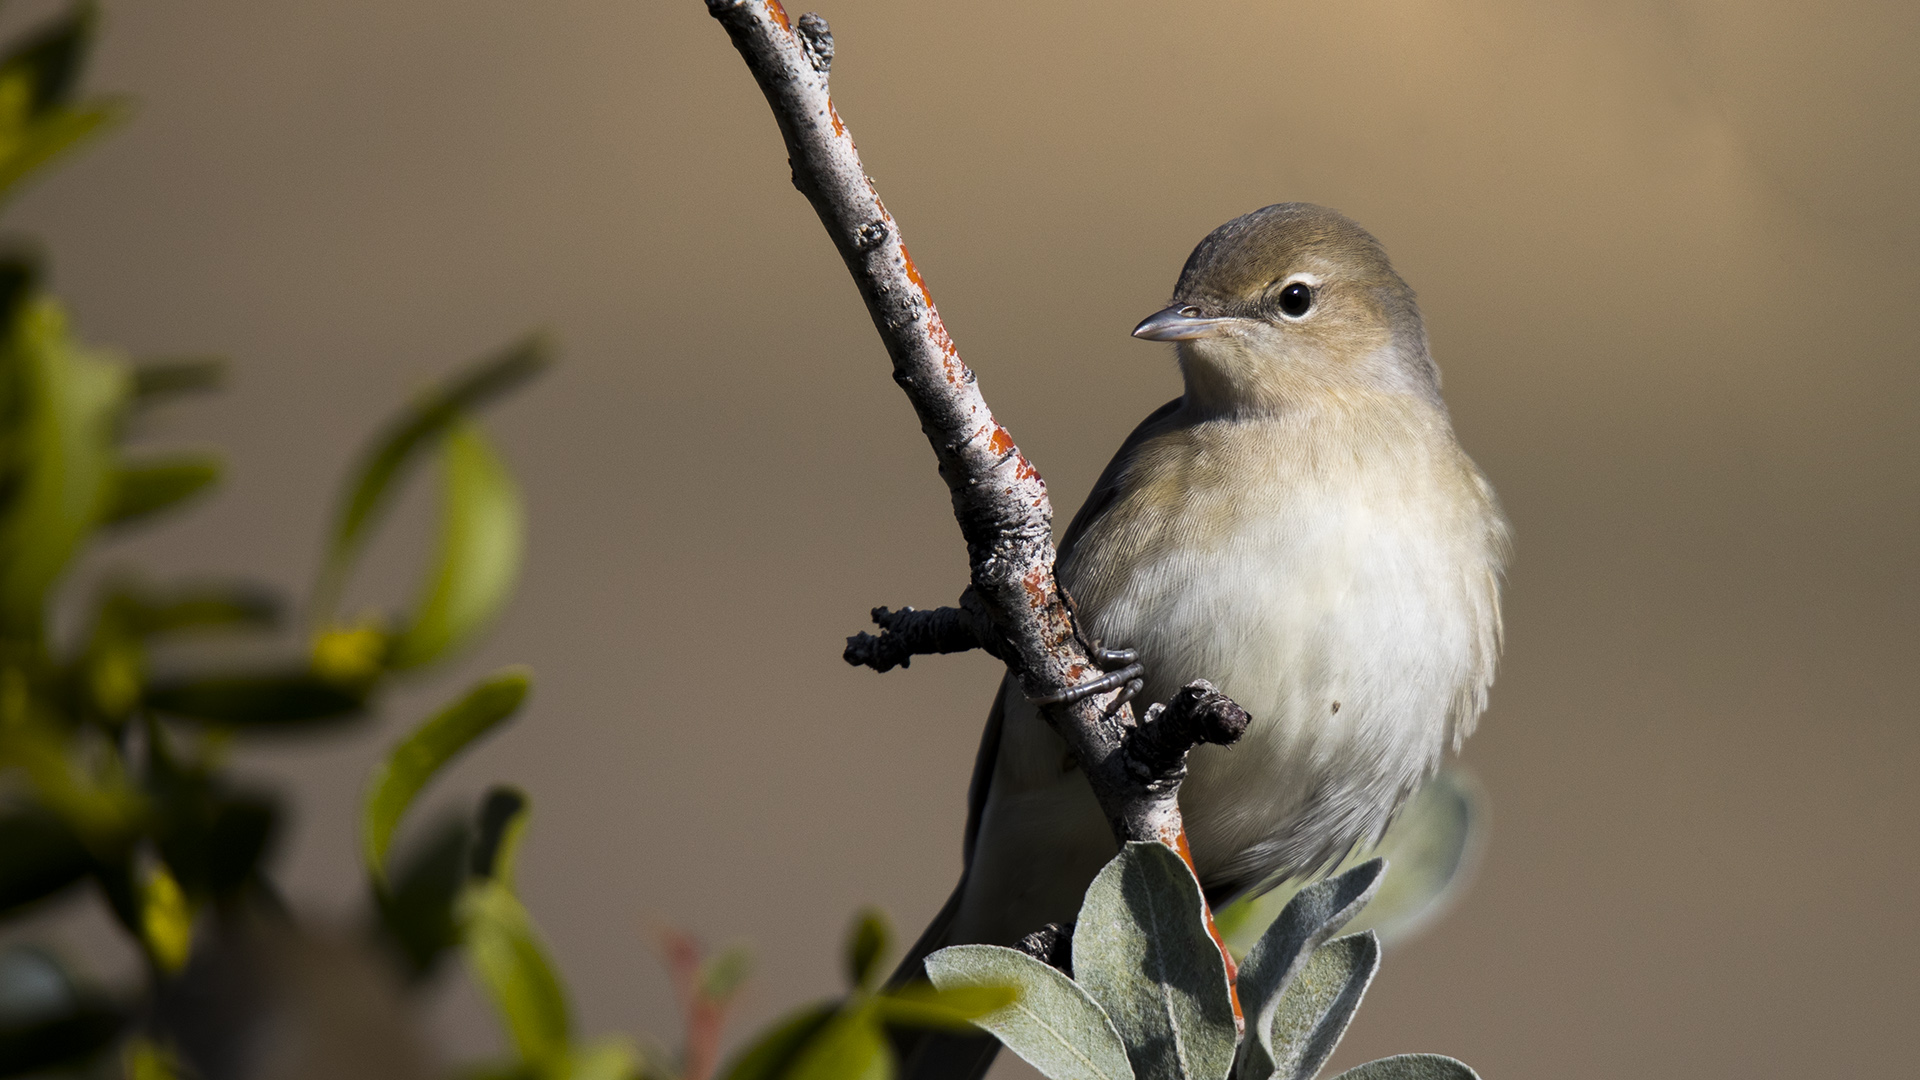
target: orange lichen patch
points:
(1002, 440)
(1037, 585)
(913, 275)
(833, 115)
(779, 15)
(1213, 931)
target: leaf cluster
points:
(1149, 997)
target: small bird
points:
(1301, 528)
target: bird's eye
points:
(1296, 300)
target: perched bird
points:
(1301, 528)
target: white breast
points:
(1343, 590)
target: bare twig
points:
(998, 497)
(908, 633)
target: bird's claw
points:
(1124, 672)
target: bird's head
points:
(1288, 300)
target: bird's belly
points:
(1344, 628)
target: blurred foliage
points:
(114, 781)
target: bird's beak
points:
(1182, 322)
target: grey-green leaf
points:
(1411, 1067)
(1319, 1003)
(398, 779)
(1315, 914)
(413, 432)
(1432, 845)
(146, 489)
(1054, 1024)
(481, 529)
(1142, 950)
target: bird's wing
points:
(1107, 488)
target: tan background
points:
(1667, 252)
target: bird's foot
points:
(1124, 672)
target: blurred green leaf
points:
(511, 965)
(85, 784)
(412, 432)
(39, 856)
(154, 380)
(401, 776)
(770, 1056)
(1319, 1003)
(266, 699)
(481, 531)
(142, 612)
(166, 922)
(142, 490)
(417, 909)
(612, 1059)
(851, 1046)
(59, 463)
(148, 1060)
(1411, 1067)
(721, 976)
(866, 944)
(503, 820)
(921, 1005)
(1316, 913)
(1141, 949)
(45, 1020)
(37, 78)
(1054, 1025)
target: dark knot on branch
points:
(908, 633)
(1156, 751)
(816, 40)
(1052, 945)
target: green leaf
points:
(1411, 1067)
(720, 977)
(1319, 1003)
(143, 490)
(398, 779)
(1054, 1025)
(267, 699)
(866, 944)
(481, 531)
(852, 1046)
(155, 380)
(1315, 914)
(609, 1060)
(37, 78)
(921, 1005)
(1141, 949)
(166, 922)
(142, 613)
(503, 820)
(769, 1056)
(511, 965)
(407, 436)
(59, 460)
(39, 856)
(1432, 845)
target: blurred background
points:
(1668, 255)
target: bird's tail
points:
(938, 1055)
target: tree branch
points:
(998, 497)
